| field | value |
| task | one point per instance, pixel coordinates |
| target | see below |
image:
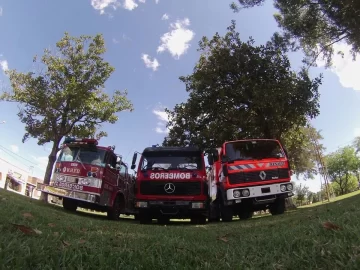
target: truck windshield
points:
(170, 160)
(245, 150)
(85, 155)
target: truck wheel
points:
(198, 220)
(214, 212)
(245, 214)
(278, 207)
(69, 204)
(163, 220)
(114, 212)
(226, 213)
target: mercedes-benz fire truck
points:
(171, 184)
(247, 176)
(92, 177)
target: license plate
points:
(67, 185)
(265, 190)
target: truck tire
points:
(214, 212)
(278, 207)
(226, 213)
(69, 204)
(113, 213)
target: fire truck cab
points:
(171, 184)
(91, 177)
(247, 176)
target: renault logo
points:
(262, 175)
(169, 188)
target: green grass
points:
(295, 240)
(338, 198)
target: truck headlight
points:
(141, 204)
(289, 187)
(84, 182)
(283, 188)
(197, 205)
(245, 192)
(236, 193)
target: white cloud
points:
(4, 65)
(177, 40)
(130, 4)
(101, 5)
(153, 64)
(165, 17)
(162, 120)
(344, 67)
(114, 40)
(1, 11)
(14, 148)
(157, 1)
(142, 1)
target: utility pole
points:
(320, 162)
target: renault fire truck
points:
(247, 176)
(171, 184)
(92, 177)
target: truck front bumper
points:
(175, 209)
(64, 193)
(260, 193)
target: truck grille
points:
(181, 188)
(248, 177)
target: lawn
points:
(321, 237)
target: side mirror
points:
(133, 161)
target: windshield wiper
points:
(159, 168)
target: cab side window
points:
(123, 170)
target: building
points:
(18, 180)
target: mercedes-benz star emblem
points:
(169, 188)
(262, 175)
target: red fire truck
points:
(171, 183)
(247, 176)
(92, 177)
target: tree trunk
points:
(49, 168)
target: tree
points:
(239, 90)
(351, 186)
(301, 192)
(315, 25)
(300, 147)
(341, 165)
(67, 97)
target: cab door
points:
(110, 172)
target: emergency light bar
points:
(80, 141)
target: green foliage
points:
(341, 166)
(67, 97)
(299, 143)
(351, 185)
(315, 25)
(239, 90)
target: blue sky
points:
(150, 43)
